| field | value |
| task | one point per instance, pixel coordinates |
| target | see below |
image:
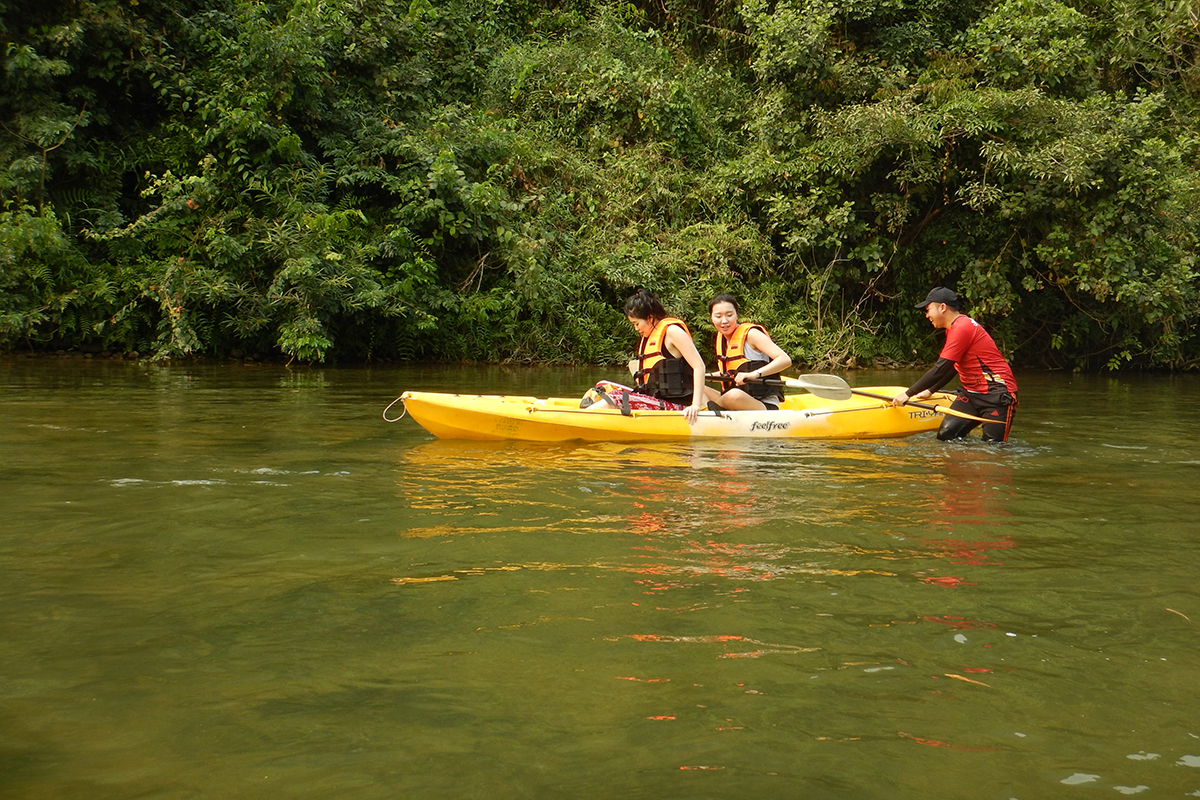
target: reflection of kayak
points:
(802, 416)
(441, 455)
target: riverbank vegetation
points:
(488, 179)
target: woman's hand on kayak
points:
(692, 413)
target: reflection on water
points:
(232, 582)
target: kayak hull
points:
(557, 419)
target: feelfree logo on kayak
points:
(770, 426)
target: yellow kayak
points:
(556, 419)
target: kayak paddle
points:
(831, 387)
(940, 409)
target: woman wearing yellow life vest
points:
(668, 365)
(744, 350)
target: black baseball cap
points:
(940, 294)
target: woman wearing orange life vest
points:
(668, 365)
(744, 350)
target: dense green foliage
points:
(477, 179)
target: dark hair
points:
(724, 298)
(644, 305)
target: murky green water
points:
(235, 581)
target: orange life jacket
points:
(659, 373)
(731, 352)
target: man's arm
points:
(937, 377)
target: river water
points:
(238, 581)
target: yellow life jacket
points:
(731, 352)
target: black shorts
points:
(1000, 406)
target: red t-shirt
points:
(976, 357)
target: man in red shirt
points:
(988, 388)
